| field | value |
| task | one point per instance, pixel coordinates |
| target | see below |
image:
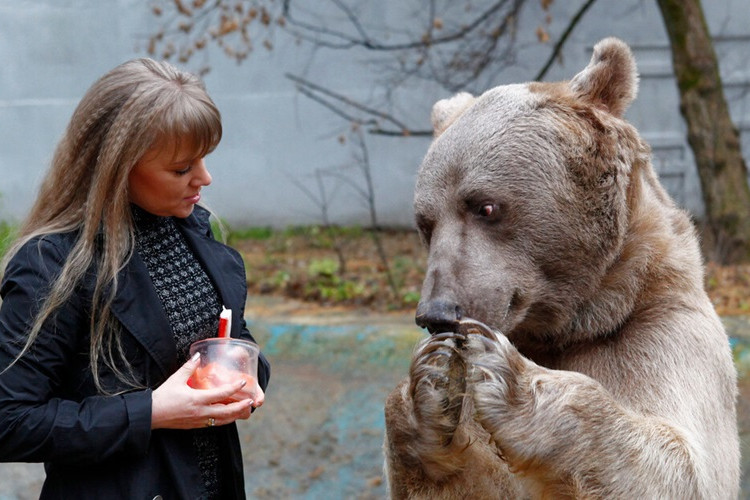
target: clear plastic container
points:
(224, 361)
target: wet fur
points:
(612, 377)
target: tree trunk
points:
(712, 136)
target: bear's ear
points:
(611, 77)
(446, 111)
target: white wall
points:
(52, 50)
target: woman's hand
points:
(175, 405)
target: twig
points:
(311, 90)
(374, 225)
(323, 202)
(559, 45)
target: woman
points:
(113, 276)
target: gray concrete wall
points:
(275, 138)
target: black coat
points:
(97, 446)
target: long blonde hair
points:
(123, 114)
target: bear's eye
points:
(424, 227)
(488, 210)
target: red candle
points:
(225, 322)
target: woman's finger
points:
(223, 414)
(259, 397)
(187, 369)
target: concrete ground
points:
(319, 434)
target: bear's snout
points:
(439, 316)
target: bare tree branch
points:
(364, 163)
(561, 41)
(312, 32)
(314, 91)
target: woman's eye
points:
(184, 170)
(488, 210)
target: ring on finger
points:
(211, 422)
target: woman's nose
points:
(202, 176)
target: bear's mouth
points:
(463, 327)
(442, 327)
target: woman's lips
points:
(193, 199)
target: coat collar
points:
(138, 307)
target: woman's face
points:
(166, 181)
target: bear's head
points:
(523, 200)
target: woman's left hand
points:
(175, 405)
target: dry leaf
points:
(542, 35)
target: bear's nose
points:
(439, 316)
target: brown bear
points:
(604, 371)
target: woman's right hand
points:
(175, 405)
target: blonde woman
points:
(113, 276)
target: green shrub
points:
(7, 235)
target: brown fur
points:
(612, 377)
